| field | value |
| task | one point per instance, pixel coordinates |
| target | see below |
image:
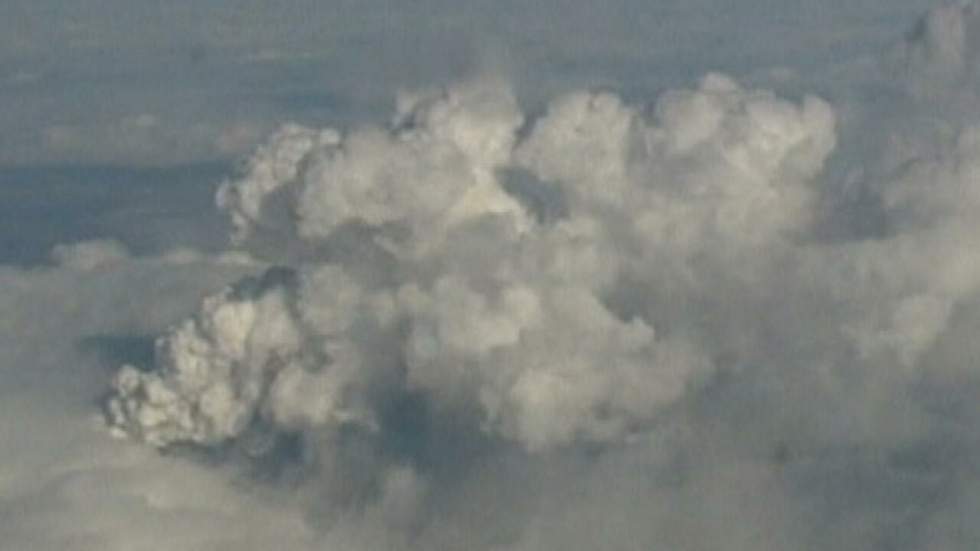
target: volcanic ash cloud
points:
(469, 255)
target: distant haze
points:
(509, 276)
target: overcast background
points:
(122, 118)
(135, 83)
(93, 93)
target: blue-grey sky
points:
(192, 87)
(140, 83)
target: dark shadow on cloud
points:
(886, 495)
(544, 199)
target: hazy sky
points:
(680, 275)
(139, 83)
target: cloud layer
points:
(724, 318)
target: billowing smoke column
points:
(449, 257)
(672, 282)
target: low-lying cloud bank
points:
(699, 323)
